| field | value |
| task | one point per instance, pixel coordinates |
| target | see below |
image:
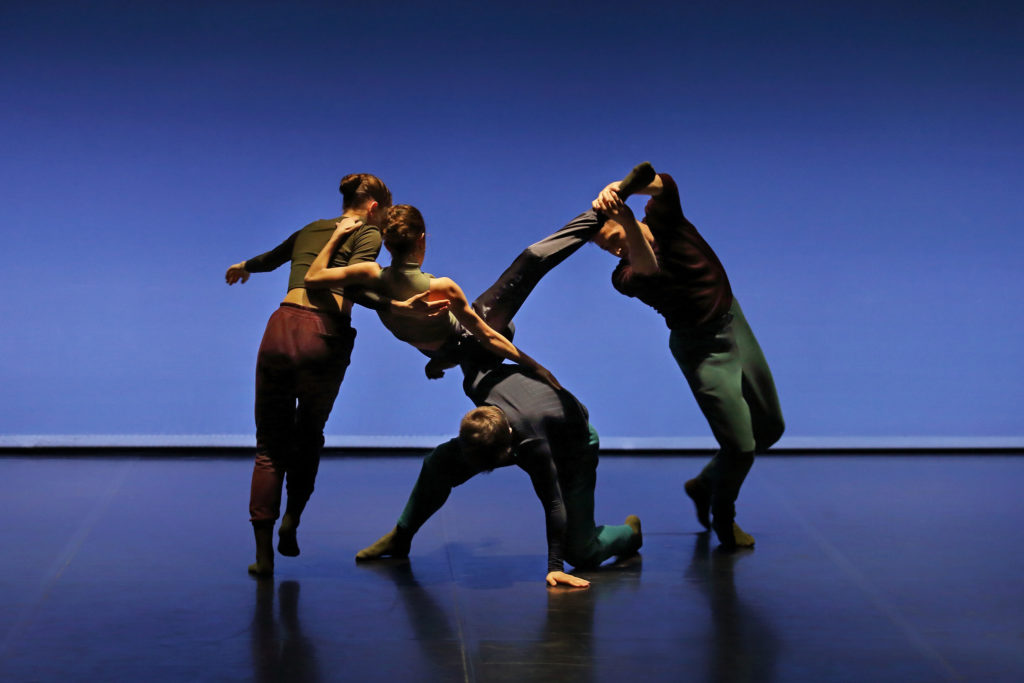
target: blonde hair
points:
(485, 436)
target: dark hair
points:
(403, 226)
(358, 188)
(485, 436)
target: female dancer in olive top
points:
(300, 365)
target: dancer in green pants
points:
(667, 264)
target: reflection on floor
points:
(866, 569)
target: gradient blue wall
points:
(857, 166)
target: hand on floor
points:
(555, 578)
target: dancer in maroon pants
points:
(301, 363)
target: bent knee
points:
(770, 434)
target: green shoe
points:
(640, 177)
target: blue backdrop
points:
(856, 165)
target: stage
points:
(866, 568)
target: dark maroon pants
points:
(299, 368)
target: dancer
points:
(302, 360)
(521, 420)
(666, 264)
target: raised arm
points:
(641, 254)
(321, 275)
(490, 338)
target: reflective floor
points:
(867, 568)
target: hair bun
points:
(350, 184)
(356, 188)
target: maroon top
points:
(690, 288)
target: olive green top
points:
(302, 247)
(401, 282)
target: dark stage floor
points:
(867, 568)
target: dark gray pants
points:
(501, 301)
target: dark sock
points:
(731, 536)
(723, 529)
(701, 497)
(287, 536)
(633, 522)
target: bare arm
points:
(490, 338)
(641, 254)
(418, 306)
(320, 275)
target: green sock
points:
(640, 177)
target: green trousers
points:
(730, 379)
(586, 544)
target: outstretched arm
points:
(320, 275)
(485, 334)
(263, 263)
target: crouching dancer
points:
(521, 420)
